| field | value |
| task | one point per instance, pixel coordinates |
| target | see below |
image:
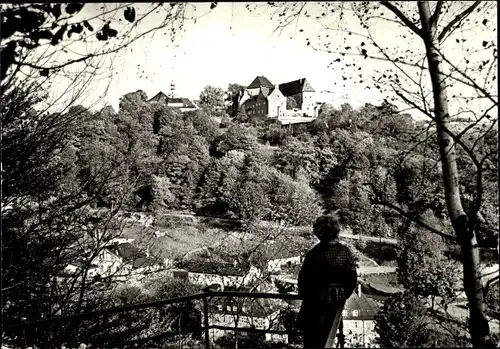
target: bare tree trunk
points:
(478, 324)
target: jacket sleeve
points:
(351, 275)
(304, 278)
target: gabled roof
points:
(260, 81)
(162, 97)
(159, 97)
(186, 102)
(132, 255)
(267, 91)
(143, 262)
(126, 250)
(296, 86)
(367, 308)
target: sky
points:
(230, 44)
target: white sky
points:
(232, 45)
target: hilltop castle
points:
(262, 98)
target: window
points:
(355, 313)
(228, 308)
(344, 312)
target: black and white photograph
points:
(217, 175)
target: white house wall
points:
(355, 330)
(309, 103)
(253, 91)
(277, 104)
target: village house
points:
(358, 317)
(76, 266)
(119, 258)
(257, 313)
(263, 99)
(207, 273)
(132, 259)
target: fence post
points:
(341, 333)
(205, 321)
(24, 342)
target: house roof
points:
(296, 86)
(162, 97)
(212, 267)
(186, 102)
(381, 284)
(126, 250)
(256, 308)
(260, 81)
(367, 308)
(132, 255)
(267, 91)
(143, 262)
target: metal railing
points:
(36, 333)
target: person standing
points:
(326, 280)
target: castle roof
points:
(159, 97)
(260, 81)
(162, 97)
(296, 86)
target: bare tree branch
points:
(379, 201)
(401, 16)
(437, 12)
(457, 20)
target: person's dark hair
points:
(327, 227)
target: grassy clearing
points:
(172, 236)
(173, 242)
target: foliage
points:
(234, 95)
(236, 137)
(423, 267)
(401, 321)
(293, 202)
(27, 27)
(212, 98)
(492, 302)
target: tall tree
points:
(234, 95)
(212, 99)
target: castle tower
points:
(171, 93)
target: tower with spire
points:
(171, 93)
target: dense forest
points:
(354, 162)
